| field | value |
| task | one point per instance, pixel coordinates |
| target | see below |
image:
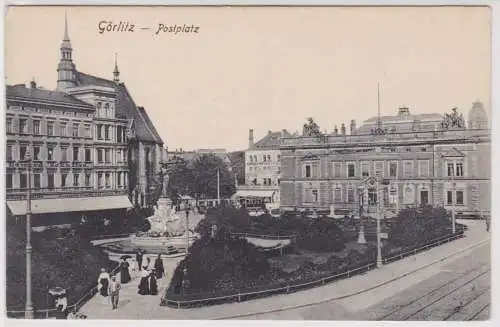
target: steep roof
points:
(125, 106)
(270, 141)
(409, 117)
(21, 92)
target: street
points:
(459, 290)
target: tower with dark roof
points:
(66, 76)
(116, 72)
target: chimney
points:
(342, 129)
(335, 130)
(353, 127)
(283, 132)
(269, 132)
(250, 138)
(33, 84)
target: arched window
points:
(409, 195)
(107, 112)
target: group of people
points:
(148, 284)
(109, 286)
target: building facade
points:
(84, 149)
(262, 169)
(397, 161)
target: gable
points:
(453, 153)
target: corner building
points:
(417, 159)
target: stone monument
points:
(361, 236)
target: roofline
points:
(54, 103)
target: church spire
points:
(66, 71)
(116, 72)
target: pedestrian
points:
(158, 268)
(103, 282)
(60, 312)
(124, 271)
(144, 282)
(138, 258)
(153, 284)
(114, 291)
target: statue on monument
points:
(165, 179)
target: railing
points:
(242, 295)
(47, 313)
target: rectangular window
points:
(460, 197)
(99, 155)
(108, 155)
(50, 180)
(119, 177)
(63, 128)
(459, 169)
(36, 153)
(337, 195)
(23, 180)
(87, 155)
(87, 179)
(337, 169)
(8, 181)
(8, 153)
(63, 180)
(423, 168)
(119, 155)
(350, 195)
(88, 132)
(22, 152)
(379, 168)
(50, 128)
(50, 154)
(278, 158)
(449, 197)
(36, 127)
(308, 171)
(75, 153)
(75, 129)
(36, 180)
(315, 195)
(99, 180)
(106, 132)
(8, 125)
(365, 169)
(351, 172)
(393, 169)
(64, 154)
(450, 169)
(408, 168)
(75, 180)
(23, 124)
(99, 132)
(108, 181)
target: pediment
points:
(453, 153)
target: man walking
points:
(114, 291)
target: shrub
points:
(419, 225)
(59, 258)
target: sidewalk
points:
(134, 306)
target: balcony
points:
(62, 192)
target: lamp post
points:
(29, 314)
(379, 245)
(453, 200)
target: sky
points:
(264, 68)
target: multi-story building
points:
(415, 159)
(90, 146)
(262, 169)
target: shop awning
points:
(18, 208)
(254, 193)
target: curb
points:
(354, 293)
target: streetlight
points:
(453, 200)
(29, 314)
(379, 245)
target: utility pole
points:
(218, 186)
(29, 314)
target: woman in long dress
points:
(158, 268)
(103, 282)
(144, 282)
(124, 272)
(153, 285)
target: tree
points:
(205, 177)
(181, 178)
(238, 164)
